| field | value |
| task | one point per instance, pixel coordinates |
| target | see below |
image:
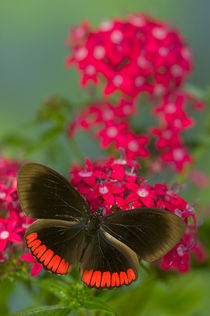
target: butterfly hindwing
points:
(44, 193)
(151, 233)
(108, 263)
(56, 244)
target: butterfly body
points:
(107, 247)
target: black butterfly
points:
(66, 233)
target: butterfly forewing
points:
(151, 233)
(108, 263)
(44, 193)
(56, 244)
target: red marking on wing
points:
(106, 279)
(46, 257)
(86, 277)
(39, 251)
(115, 279)
(30, 244)
(131, 275)
(123, 278)
(96, 279)
(53, 265)
(62, 267)
(31, 237)
(36, 244)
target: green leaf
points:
(54, 310)
(98, 305)
(54, 287)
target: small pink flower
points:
(36, 267)
(8, 232)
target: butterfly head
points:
(93, 223)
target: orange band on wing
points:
(131, 275)
(107, 279)
(123, 278)
(53, 265)
(115, 279)
(87, 276)
(39, 251)
(96, 279)
(31, 237)
(46, 256)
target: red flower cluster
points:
(13, 222)
(174, 119)
(115, 185)
(134, 55)
(112, 128)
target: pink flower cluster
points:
(174, 120)
(13, 222)
(134, 55)
(110, 123)
(115, 185)
(112, 127)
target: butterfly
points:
(107, 248)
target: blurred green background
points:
(32, 55)
(33, 51)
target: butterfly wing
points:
(44, 193)
(56, 244)
(151, 233)
(108, 263)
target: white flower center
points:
(99, 52)
(159, 89)
(159, 33)
(2, 195)
(4, 234)
(186, 53)
(137, 20)
(106, 25)
(142, 192)
(117, 80)
(25, 226)
(112, 131)
(103, 190)
(167, 134)
(133, 145)
(141, 61)
(170, 108)
(116, 36)
(107, 115)
(81, 53)
(139, 81)
(126, 109)
(85, 174)
(178, 212)
(90, 70)
(163, 51)
(178, 154)
(180, 251)
(177, 123)
(176, 70)
(120, 161)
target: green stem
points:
(75, 149)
